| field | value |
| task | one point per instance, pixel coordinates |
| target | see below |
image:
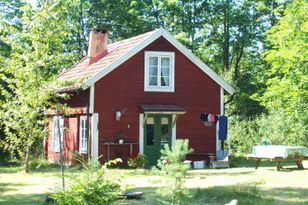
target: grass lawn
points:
(263, 186)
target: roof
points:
(154, 108)
(115, 50)
(121, 51)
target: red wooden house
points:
(149, 89)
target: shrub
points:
(276, 127)
(172, 163)
(138, 162)
(92, 187)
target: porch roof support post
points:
(175, 119)
(145, 118)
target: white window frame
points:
(55, 141)
(83, 130)
(158, 88)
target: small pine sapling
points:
(172, 163)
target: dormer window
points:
(159, 71)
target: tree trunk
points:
(237, 62)
(226, 36)
(27, 160)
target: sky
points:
(32, 2)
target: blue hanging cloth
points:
(223, 127)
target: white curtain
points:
(165, 70)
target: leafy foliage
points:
(278, 128)
(35, 57)
(287, 87)
(93, 187)
(138, 162)
(172, 162)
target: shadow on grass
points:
(246, 194)
(225, 172)
(245, 163)
(39, 168)
(23, 199)
(9, 187)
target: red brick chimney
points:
(98, 42)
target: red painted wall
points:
(71, 134)
(124, 88)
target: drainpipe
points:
(231, 99)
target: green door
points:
(157, 132)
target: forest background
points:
(258, 46)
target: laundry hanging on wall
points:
(221, 121)
(208, 119)
(222, 127)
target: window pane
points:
(153, 70)
(164, 130)
(165, 61)
(165, 71)
(164, 81)
(153, 80)
(153, 61)
(150, 131)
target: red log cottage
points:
(149, 89)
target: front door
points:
(157, 133)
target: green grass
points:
(264, 186)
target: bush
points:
(171, 162)
(92, 187)
(138, 162)
(276, 127)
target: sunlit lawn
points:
(207, 186)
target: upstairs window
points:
(58, 124)
(83, 133)
(159, 71)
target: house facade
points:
(149, 90)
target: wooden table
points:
(130, 144)
(294, 157)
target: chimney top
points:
(101, 30)
(98, 42)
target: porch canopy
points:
(162, 109)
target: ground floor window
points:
(83, 133)
(58, 124)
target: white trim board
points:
(155, 35)
(173, 132)
(141, 133)
(95, 138)
(91, 104)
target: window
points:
(83, 133)
(159, 71)
(57, 121)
